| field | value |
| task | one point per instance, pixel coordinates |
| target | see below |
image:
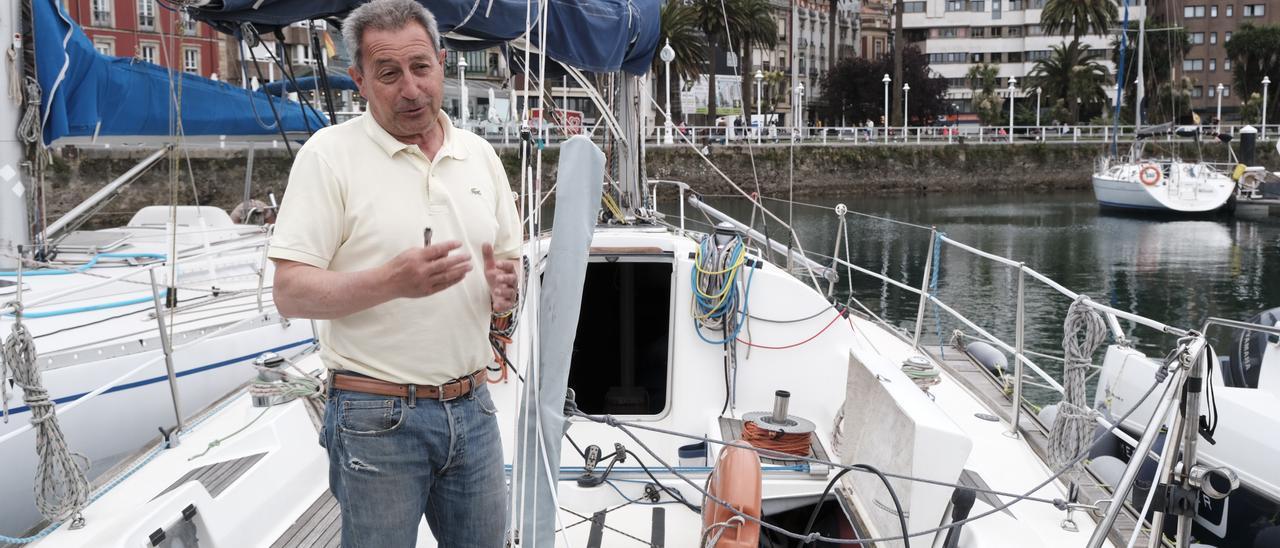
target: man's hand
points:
(424, 271)
(503, 284)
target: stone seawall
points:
(220, 174)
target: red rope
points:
(784, 347)
(791, 444)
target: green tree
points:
(1255, 53)
(1078, 18)
(1251, 109)
(854, 90)
(1074, 75)
(745, 23)
(679, 25)
(986, 102)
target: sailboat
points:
(135, 327)
(1163, 184)
(665, 384)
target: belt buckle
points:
(444, 388)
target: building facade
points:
(1209, 25)
(958, 34)
(143, 30)
(874, 25)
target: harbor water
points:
(1179, 272)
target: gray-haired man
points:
(409, 425)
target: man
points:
(409, 424)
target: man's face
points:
(402, 77)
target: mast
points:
(1141, 82)
(1115, 117)
(13, 203)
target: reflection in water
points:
(1177, 272)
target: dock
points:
(1258, 209)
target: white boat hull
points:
(1191, 189)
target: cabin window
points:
(620, 361)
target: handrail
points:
(103, 193)
(796, 254)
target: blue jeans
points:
(392, 461)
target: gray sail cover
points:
(579, 180)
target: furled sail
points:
(591, 35)
(87, 94)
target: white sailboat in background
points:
(1166, 184)
(176, 301)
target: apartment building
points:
(142, 30)
(1209, 26)
(957, 34)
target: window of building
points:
(1254, 10)
(1213, 91)
(1213, 65)
(148, 51)
(997, 32)
(948, 32)
(1191, 12)
(1037, 55)
(146, 14)
(1226, 37)
(1015, 5)
(188, 24)
(978, 32)
(1196, 38)
(1197, 91)
(1035, 30)
(955, 5)
(979, 6)
(1213, 11)
(913, 7)
(1213, 38)
(996, 57)
(975, 57)
(101, 16)
(1015, 32)
(1014, 56)
(191, 60)
(1226, 91)
(105, 46)
(1230, 8)
(1193, 64)
(995, 9)
(1226, 64)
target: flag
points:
(330, 50)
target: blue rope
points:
(933, 287)
(89, 308)
(86, 266)
(729, 303)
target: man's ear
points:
(357, 76)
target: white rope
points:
(61, 487)
(1083, 331)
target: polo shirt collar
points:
(390, 145)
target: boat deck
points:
(320, 526)
(987, 388)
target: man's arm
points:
(304, 291)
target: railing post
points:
(924, 286)
(681, 188)
(166, 346)
(1020, 326)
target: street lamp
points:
(759, 93)
(1012, 89)
(1039, 129)
(1266, 81)
(668, 55)
(886, 81)
(906, 93)
(462, 88)
(1219, 128)
(800, 101)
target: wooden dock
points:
(989, 389)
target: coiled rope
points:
(61, 488)
(716, 272)
(1083, 331)
(781, 442)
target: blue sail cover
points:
(86, 94)
(591, 35)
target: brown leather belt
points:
(453, 389)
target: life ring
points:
(1149, 174)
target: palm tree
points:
(748, 22)
(1073, 74)
(1078, 17)
(982, 79)
(680, 29)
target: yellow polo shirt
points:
(357, 197)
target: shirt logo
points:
(475, 191)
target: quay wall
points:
(845, 169)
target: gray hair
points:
(385, 15)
